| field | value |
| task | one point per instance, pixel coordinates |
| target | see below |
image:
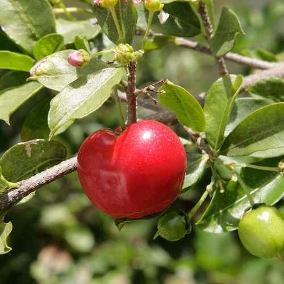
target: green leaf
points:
(5, 230)
(47, 45)
(218, 106)
(12, 79)
(196, 165)
(181, 20)
(261, 134)
(183, 104)
(15, 61)
(242, 108)
(228, 29)
(70, 29)
(83, 96)
(269, 88)
(11, 99)
(25, 159)
(82, 43)
(228, 205)
(35, 124)
(26, 21)
(127, 18)
(54, 71)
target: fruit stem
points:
(119, 109)
(130, 93)
(149, 22)
(196, 207)
(246, 189)
(115, 19)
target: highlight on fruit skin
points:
(261, 231)
(137, 173)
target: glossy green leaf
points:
(70, 29)
(269, 88)
(25, 159)
(196, 165)
(127, 18)
(12, 98)
(180, 20)
(26, 21)
(261, 134)
(242, 108)
(5, 230)
(183, 104)
(15, 61)
(218, 106)
(54, 71)
(83, 96)
(228, 29)
(47, 45)
(228, 206)
(35, 124)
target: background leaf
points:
(183, 104)
(181, 21)
(12, 98)
(228, 28)
(26, 21)
(70, 29)
(47, 45)
(15, 61)
(5, 230)
(218, 106)
(83, 96)
(261, 134)
(127, 17)
(25, 159)
(269, 88)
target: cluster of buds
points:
(124, 54)
(78, 58)
(150, 5)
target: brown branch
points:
(11, 197)
(203, 11)
(130, 93)
(234, 57)
(29, 185)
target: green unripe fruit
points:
(153, 5)
(172, 226)
(261, 232)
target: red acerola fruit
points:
(137, 173)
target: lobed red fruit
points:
(138, 173)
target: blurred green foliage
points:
(59, 238)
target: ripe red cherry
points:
(138, 173)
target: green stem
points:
(119, 109)
(115, 19)
(71, 10)
(66, 11)
(262, 168)
(196, 207)
(149, 23)
(246, 189)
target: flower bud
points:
(106, 3)
(153, 5)
(78, 58)
(124, 53)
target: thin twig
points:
(234, 57)
(130, 93)
(203, 11)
